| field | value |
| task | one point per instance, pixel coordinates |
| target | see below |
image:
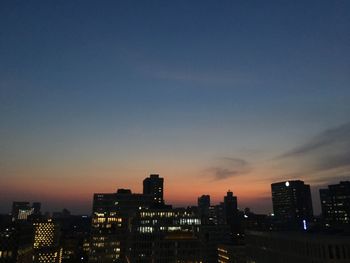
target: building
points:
(46, 242)
(230, 207)
(210, 237)
(228, 253)
(154, 185)
(335, 204)
(111, 217)
(203, 207)
(291, 247)
(16, 242)
(217, 215)
(292, 204)
(75, 231)
(22, 210)
(164, 235)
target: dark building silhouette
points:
(154, 185)
(230, 207)
(292, 203)
(203, 207)
(16, 242)
(335, 204)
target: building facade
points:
(291, 247)
(154, 186)
(335, 204)
(292, 203)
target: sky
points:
(212, 95)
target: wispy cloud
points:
(326, 156)
(227, 168)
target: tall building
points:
(46, 242)
(164, 235)
(111, 217)
(230, 207)
(292, 203)
(203, 208)
(153, 185)
(335, 204)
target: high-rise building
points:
(230, 207)
(335, 204)
(110, 223)
(46, 242)
(292, 203)
(153, 185)
(203, 208)
(164, 235)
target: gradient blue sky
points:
(95, 95)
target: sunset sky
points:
(212, 95)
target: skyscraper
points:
(46, 242)
(335, 203)
(110, 223)
(153, 185)
(230, 207)
(203, 207)
(292, 202)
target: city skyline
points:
(211, 96)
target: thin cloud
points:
(228, 167)
(330, 137)
(329, 152)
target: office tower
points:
(203, 208)
(292, 203)
(46, 242)
(153, 185)
(164, 235)
(203, 204)
(230, 207)
(335, 204)
(110, 222)
(216, 215)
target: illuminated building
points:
(210, 237)
(291, 247)
(217, 215)
(231, 254)
(46, 242)
(164, 235)
(75, 237)
(335, 204)
(292, 203)
(153, 185)
(110, 222)
(22, 210)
